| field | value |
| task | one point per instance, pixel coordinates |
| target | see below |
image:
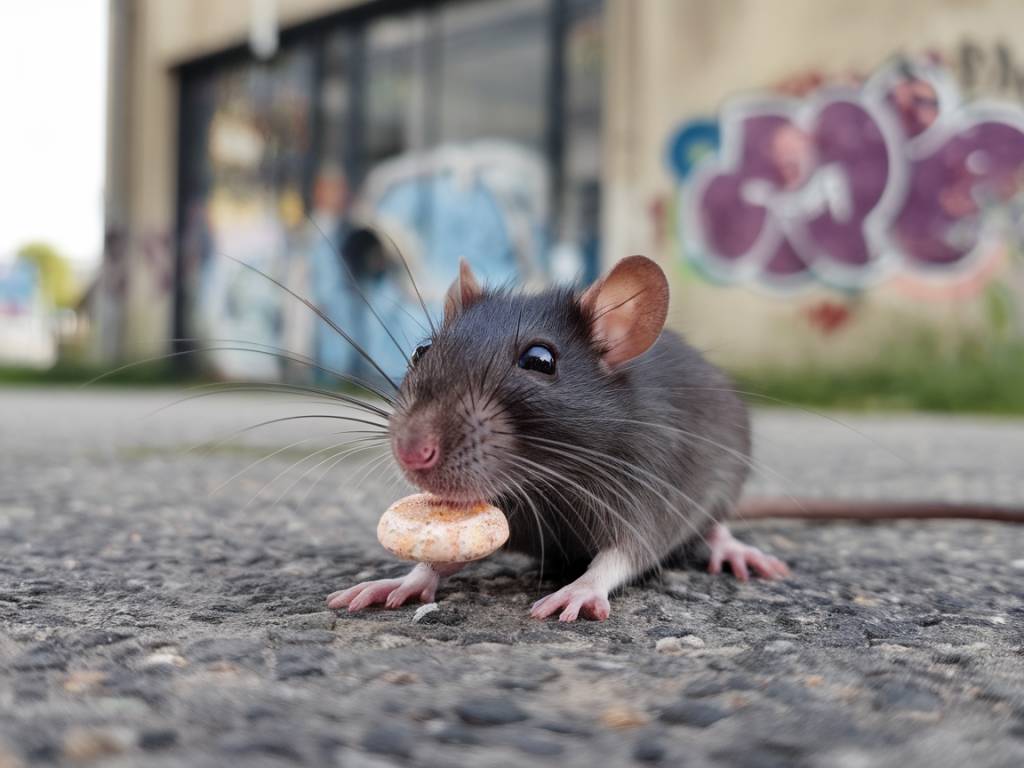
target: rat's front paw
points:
(742, 558)
(578, 598)
(421, 580)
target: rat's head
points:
(508, 374)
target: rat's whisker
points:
(269, 456)
(275, 388)
(555, 447)
(334, 461)
(354, 284)
(256, 347)
(369, 442)
(213, 445)
(556, 475)
(323, 316)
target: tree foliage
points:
(55, 273)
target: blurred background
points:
(834, 188)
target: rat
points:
(611, 444)
(605, 438)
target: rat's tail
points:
(831, 509)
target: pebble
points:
(621, 718)
(702, 689)
(247, 743)
(389, 739)
(907, 696)
(163, 659)
(423, 611)
(8, 759)
(677, 645)
(39, 657)
(490, 711)
(781, 646)
(301, 661)
(158, 738)
(696, 714)
(566, 728)
(669, 645)
(648, 750)
(400, 677)
(318, 620)
(305, 637)
(102, 637)
(83, 744)
(84, 680)
(527, 677)
(534, 746)
(225, 649)
(456, 733)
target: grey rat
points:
(605, 438)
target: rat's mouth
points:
(447, 489)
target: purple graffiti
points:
(847, 181)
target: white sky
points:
(52, 113)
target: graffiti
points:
(485, 202)
(850, 182)
(26, 332)
(828, 316)
(989, 71)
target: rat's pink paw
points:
(578, 598)
(392, 592)
(725, 548)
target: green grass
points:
(975, 379)
(145, 374)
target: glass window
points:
(581, 132)
(493, 71)
(246, 154)
(396, 82)
(448, 127)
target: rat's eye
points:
(538, 358)
(421, 350)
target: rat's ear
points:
(627, 308)
(463, 292)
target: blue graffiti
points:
(693, 142)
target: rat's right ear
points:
(627, 309)
(462, 293)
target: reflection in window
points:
(448, 127)
(493, 71)
(581, 132)
(396, 67)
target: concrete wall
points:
(148, 39)
(669, 63)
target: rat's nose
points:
(418, 452)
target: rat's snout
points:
(419, 452)
(417, 445)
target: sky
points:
(52, 113)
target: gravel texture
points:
(152, 614)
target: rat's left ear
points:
(627, 309)
(464, 291)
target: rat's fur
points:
(643, 457)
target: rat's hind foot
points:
(421, 581)
(574, 599)
(726, 548)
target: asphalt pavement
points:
(163, 574)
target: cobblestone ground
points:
(153, 613)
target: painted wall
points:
(827, 181)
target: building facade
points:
(826, 183)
